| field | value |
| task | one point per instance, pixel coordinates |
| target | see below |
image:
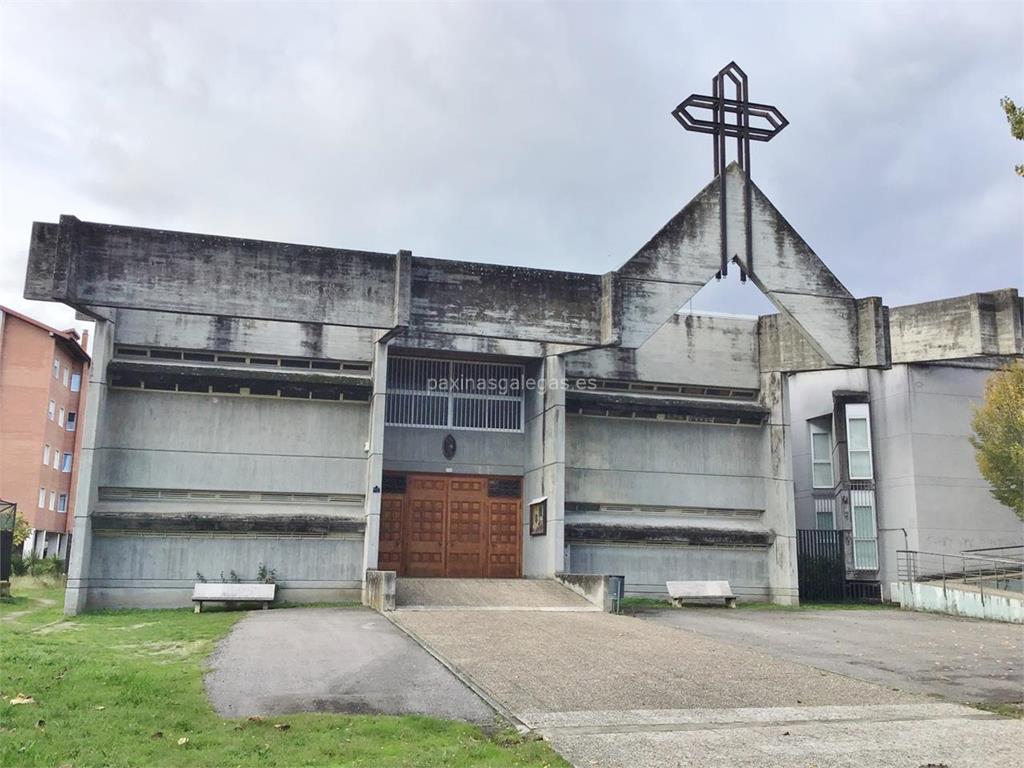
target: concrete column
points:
(375, 457)
(543, 556)
(780, 506)
(86, 484)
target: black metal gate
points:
(6, 550)
(821, 566)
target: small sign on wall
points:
(539, 516)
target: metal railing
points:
(992, 572)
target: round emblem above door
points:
(448, 447)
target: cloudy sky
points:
(525, 133)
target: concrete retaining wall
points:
(647, 568)
(379, 589)
(959, 602)
(131, 570)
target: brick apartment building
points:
(43, 373)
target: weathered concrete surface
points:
(959, 599)
(633, 693)
(959, 659)
(609, 662)
(489, 594)
(332, 660)
(915, 735)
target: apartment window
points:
(66, 464)
(865, 535)
(60, 417)
(62, 503)
(65, 376)
(821, 456)
(42, 498)
(46, 455)
(858, 441)
(51, 409)
(825, 514)
(56, 368)
(53, 501)
(76, 382)
(56, 458)
(72, 421)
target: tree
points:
(999, 436)
(21, 527)
(1015, 117)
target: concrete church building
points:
(322, 412)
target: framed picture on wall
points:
(539, 516)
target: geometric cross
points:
(721, 127)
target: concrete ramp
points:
(487, 595)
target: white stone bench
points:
(679, 591)
(233, 593)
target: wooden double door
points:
(459, 526)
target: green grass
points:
(1015, 711)
(638, 604)
(122, 688)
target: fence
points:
(1003, 570)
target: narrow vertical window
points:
(821, 456)
(46, 455)
(72, 421)
(76, 382)
(42, 498)
(60, 417)
(53, 501)
(56, 368)
(858, 441)
(66, 464)
(65, 376)
(51, 409)
(865, 534)
(62, 503)
(56, 458)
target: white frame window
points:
(76, 382)
(60, 417)
(46, 455)
(53, 501)
(858, 441)
(42, 498)
(56, 457)
(825, 513)
(66, 462)
(822, 475)
(454, 394)
(56, 369)
(865, 531)
(71, 421)
(62, 502)
(51, 410)
(65, 376)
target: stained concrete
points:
(635, 693)
(488, 594)
(352, 661)
(959, 659)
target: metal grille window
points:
(423, 392)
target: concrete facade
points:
(43, 375)
(234, 429)
(929, 494)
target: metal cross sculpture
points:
(722, 127)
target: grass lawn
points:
(639, 604)
(125, 689)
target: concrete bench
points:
(233, 593)
(679, 591)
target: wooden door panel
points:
(504, 531)
(389, 552)
(425, 525)
(467, 527)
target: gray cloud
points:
(522, 133)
